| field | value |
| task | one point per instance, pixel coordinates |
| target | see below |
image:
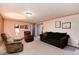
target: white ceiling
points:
(40, 11)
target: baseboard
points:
(73, 46)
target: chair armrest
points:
(14, 47)
(13, 43)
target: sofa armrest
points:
(63, 41)
(65, 37)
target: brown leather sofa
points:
(28, 37)
(54, 38)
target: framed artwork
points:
(57, 24)
(66, 25)
(26, 26)
(22, 27)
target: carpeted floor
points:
(40, 48)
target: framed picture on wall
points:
(26, 26)
(22, 27)
(66, 25)
(57, 24)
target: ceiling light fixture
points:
(29, 14)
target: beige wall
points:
(9, 27)
(73, 32)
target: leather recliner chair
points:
(28, 37)
(11, 47)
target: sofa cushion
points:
(59, 35)
(50, 34)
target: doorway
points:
(39, 29)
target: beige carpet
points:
(40, 48)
